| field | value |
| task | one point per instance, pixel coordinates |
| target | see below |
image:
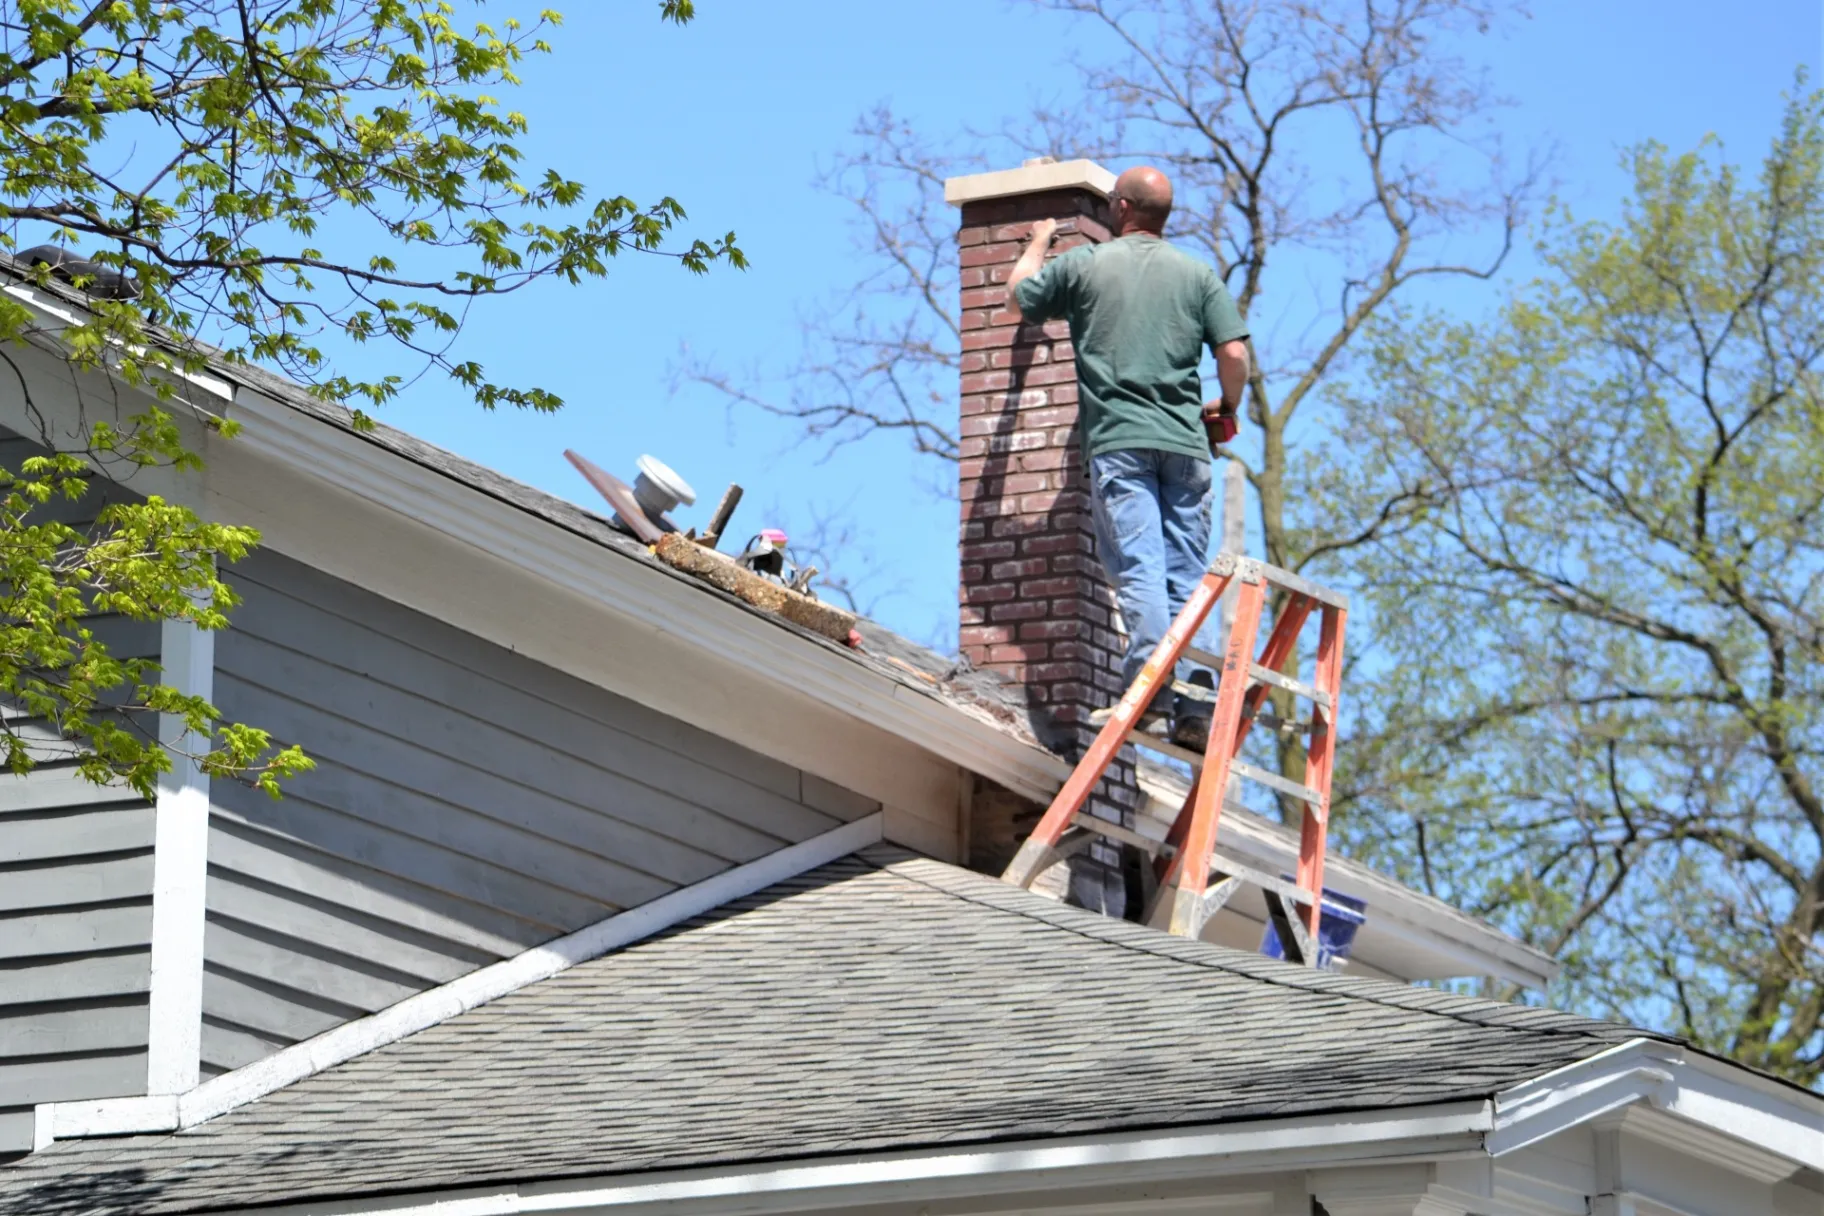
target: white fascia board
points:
(1781, 1119)
(1394, 911)
(73, 1120)
(1419, 1134)
(1713, 1096)
(649, 596)
(53, 1121)
(55, 314)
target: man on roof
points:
(1141, 311)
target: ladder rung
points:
(1252, 772)
(1194, 692)
(1262, 675)
(1239, 768)
(1266, 675)
(1115, 831)
(1248, 569)
(1190, 692)
(1266, 882)
(1165, 747)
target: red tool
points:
(1185, 860)
(1222, 427)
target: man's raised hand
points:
(1042, 232)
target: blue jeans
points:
(1152, 517)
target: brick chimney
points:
(1036, 605)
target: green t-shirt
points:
(1140, 314)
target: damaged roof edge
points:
(961, 721)
(973, 719)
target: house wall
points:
(468, 803)
(75, 904)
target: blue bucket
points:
(1337, 920)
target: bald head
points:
(1146, 195)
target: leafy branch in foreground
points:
(273, 181)
(68, 698)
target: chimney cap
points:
(1030, 178)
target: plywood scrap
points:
(719, 570)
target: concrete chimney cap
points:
(1030, 178)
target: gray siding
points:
(468, 803)
(75, 906)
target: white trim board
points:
(1702, 1105)
(933, 1175)
(75, 1120)
(180, 872)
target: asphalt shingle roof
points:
(881, 1002)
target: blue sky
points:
(734, 114)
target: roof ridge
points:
(1125, 934)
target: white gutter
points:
(1707, 1098)
(121, 1116)
(1724, 1113)
(933, 1175)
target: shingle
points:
(882, 1002)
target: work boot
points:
(1191, 717)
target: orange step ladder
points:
(1185, 861)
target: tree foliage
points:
(246, 180)
(1602, 722)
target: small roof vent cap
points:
(658, 489)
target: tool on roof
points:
(766, 556)
(1190, 874)
(731, 498)
(765, 553)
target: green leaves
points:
(250, 120)
(1622, 540)
(198, 149)
(71, 698)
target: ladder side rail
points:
(1279, 645)
(1320, 763)
(1035, 854)
(1200, 841)
(1165, 866)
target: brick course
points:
(1037, 606)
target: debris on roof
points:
(720, 570)
(756, 576)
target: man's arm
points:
(1232, 368)
(1222, 418)
(1030, 261)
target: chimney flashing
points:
(1030, 178)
